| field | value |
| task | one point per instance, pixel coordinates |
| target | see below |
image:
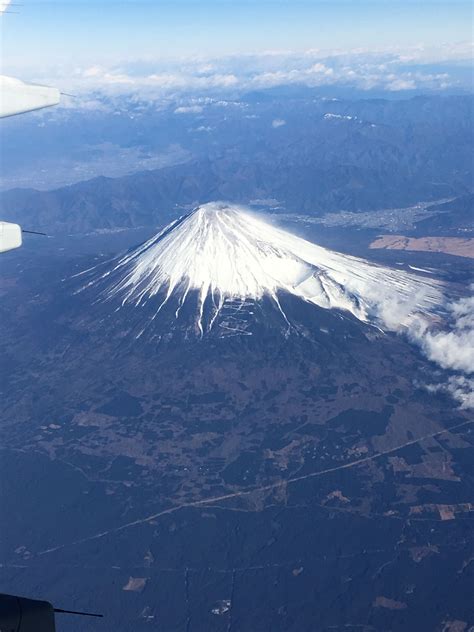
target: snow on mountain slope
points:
(225, 252)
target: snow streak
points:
(225, 252)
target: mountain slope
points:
(221, 255)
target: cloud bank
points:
(416, 68)
(454, 349)
(451, 349)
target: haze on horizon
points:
(86, 44)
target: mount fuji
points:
(222, 269)
(228, 382)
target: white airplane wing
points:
(10, 236)
(17, 97)
(4, 6)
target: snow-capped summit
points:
(224, 253)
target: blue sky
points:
(105, 30)
(47, 38)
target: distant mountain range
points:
(319, 156)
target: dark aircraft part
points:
(18, 614)
(33, 232)
(80, 614)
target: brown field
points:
(462, 247)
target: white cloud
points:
(454, 51)
(451, 349)
(401, 84)
(329, 116)
(459, 387)
(4, 5)
(454, 349)
(107, 77)
(188, 109)
(203, 128)
(278, 123)
(445, 334)
(389, 69)
(321, 69)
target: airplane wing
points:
(17, 97)
(10, 236)
(4, 6)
